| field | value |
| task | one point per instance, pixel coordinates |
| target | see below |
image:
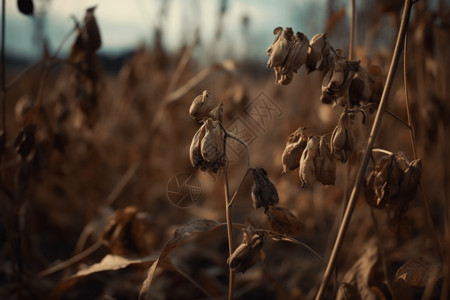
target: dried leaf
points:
(342, 139)
(279, 50)
(318, 52)
(297, 54)
(356, 282)
(180, 234)
(281, 220)
(325, 165)
(418, 272)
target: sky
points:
(124, 25)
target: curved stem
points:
(373, 134)
(229, 220)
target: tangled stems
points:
(375, 128)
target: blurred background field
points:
(89, 158)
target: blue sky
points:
(126, 24)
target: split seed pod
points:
(248, 252)
(307, 171)
(264, 193)
(206, 151)
(201, 106)
(342, 139)
(325, 165)
(295, 145)
(279, 49)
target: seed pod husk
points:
(325, 165)
(248, 252)
(202, 105)
(90, 32)
(206, 151)
(307, 171)
(281, 220)
(297, 55)
(342, 139)
(318, 52)
(387, 178)
(279, 50)
(295, 145)
(264, 193)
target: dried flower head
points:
(281, 220)
(295, 144)
(248, 252)
(264, 193)
(202, 105)
(342, 139)
(307, 171)
(207, 147)
(325, 165)
(318, 53)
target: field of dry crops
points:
(321, 173)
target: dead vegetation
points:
(87, 158)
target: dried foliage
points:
(87, 155)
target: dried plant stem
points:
(229, 220)
(82, 255)
(352, 32)
(375, 128)
(426, 204)
(2, 70)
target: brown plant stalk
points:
(373, 134)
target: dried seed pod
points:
(318, 52)
(387, 178)
(325, 165)
(90, 32)
(264, 193)
(342, 139)
(195, 154)
(248, 252)
(295, 145)
(26, 7)
(279, 50)
(337, 80)
(25, 141)
(281, 220)
(359, 90)
(202, 105)
(307, 171)
(206, 151)
(297, 55)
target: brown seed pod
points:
(295, 144)
(387, 178)
(248, 252)
(264, 193)
(318, 52)
(342, 139)
(90, 32)
(307, 171)
(206, 151)
(360, 90)
(279, 50)
(325, 165)
(297, 55)
(281, 220)
(202, 105)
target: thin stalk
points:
(426, 204)
(352, 32)
(373, 134)
(229, 221)
(2, 70)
